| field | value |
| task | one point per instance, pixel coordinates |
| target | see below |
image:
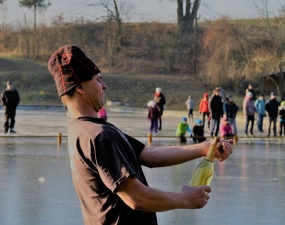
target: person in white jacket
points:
(190, 103)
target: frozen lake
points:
(36, 185)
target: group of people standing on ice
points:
(219, 113)
(212, 109)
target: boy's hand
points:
(224, 149)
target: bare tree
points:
(34, 5)
(185, 19)
(4, 10)
(25, 38)
(116, 12)
(273, 60)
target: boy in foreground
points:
(106, 163)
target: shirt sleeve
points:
(117, 159)
(137, 146)
(189, 130)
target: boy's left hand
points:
(224, 149)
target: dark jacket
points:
(282, 115)
(216, 106)
(271, 107)
(198, 131)
(153, 113)
(10, 98)
(160, 102)
(231, 109)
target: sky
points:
(142, 10)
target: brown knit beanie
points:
(70, 67)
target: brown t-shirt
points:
(101, 158)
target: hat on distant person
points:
(158, 90)
(183, 119)
(273, 93)
(151, 103)
(199, 122)
(70, 67)
(282, 104)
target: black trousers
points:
(182, 138)
(160, 110)
(249, 118)
(10, 114)
(274, 121)
(199, 139)
(204, 118)
(282, 127)
(190, 113)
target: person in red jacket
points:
(204, 109)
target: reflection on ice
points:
(36, 186)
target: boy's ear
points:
(79, 88)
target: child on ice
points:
(181, 130)
(198, 132)
(153, 116)
(226, 129)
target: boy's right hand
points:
(195, 197)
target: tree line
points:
(222, 52)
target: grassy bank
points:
(36, 86)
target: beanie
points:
(158, 89)
(199, 122)
(183, 119)
(282, 104)
(70, 67)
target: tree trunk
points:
(35, 16)
(195, 47)
(180, 15)
(119, 24)
(186, 22)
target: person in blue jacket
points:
(259, 105)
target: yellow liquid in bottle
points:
(205, 170)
